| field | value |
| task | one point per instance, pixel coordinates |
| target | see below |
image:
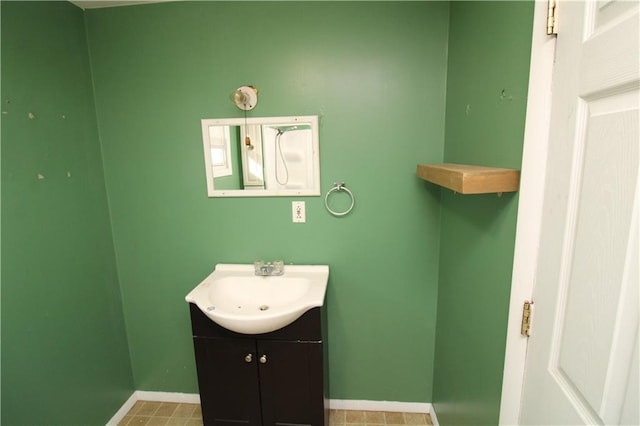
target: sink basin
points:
(238, 300)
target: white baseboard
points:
(186, 398)
(335, 404)
(119, 415)
(434, 418)
(393, 406)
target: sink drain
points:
(263, 307)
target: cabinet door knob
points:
(263, 359)
(248, 358)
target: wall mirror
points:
(262, 156)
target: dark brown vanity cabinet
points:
(275, 378)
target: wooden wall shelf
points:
(467, 179)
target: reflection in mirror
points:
(257, 157)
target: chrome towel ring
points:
(337, 187)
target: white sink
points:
(238, 300)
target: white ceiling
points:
(94, 4)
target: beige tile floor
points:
(378, 418)
(169, 413)
(163, 413)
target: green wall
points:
(375, 74)
(65, 357)
(489, 49)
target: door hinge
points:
(527, 312)
(552, 17)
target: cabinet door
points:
(291, 383)
(227, 376)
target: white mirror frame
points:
(314, 190)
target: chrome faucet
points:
(266, 269)
(270, 268)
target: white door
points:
(582, 358)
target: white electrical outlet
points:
(297, 211)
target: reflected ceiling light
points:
(245, 97)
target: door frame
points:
(530, 207)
